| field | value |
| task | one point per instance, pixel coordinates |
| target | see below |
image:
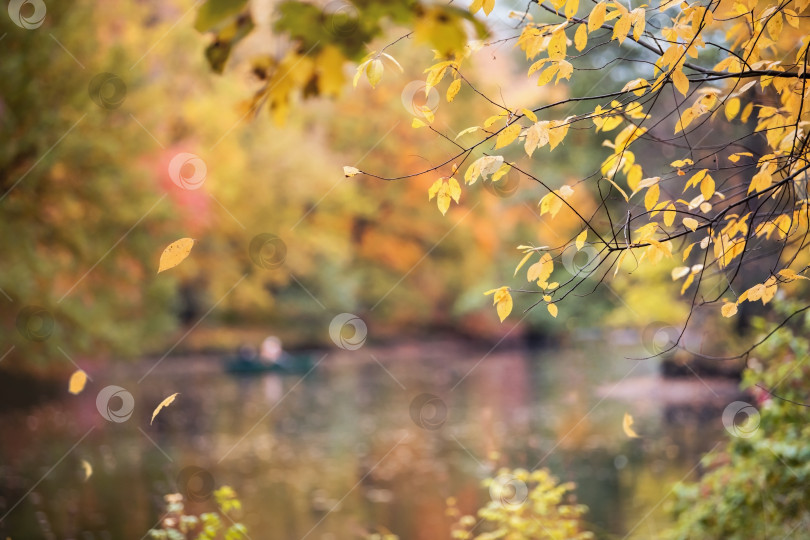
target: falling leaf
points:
(627, 426)
(350, 171)
(88, 470)
(175, 253)
(77, 382)
(165, 403)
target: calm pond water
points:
(353, 448)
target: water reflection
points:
(356, 447)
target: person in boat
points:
(271, 352)
(246, 354)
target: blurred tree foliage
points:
(96, 103)
(78, 211)
(757, 485)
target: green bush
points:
(757, 485)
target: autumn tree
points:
(702, 114)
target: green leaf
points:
(214, 12)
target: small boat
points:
(289, 364)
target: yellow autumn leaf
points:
(571, 7)
(552, 308)
(453, 89)
(374, 72)
(581, 37)
(690, 223)
(454, 188)
(564, 71)
(651, 197)
(707, 187)
(348, 172)
(504, 307)
(508, 135)
(627, 426)
(87, 469)
(443, 198)
(686, 118)
(541, 270)
(729, 309)
(678, 272)
(680, 81)
(523, 261)
(165, 403)
(558, 129)
(597, 16)
(77, 382)
(434, 189)
(502, 301)
(732, 108)
(747, 112)
(622, 28)
(580, 241)
(175, 253)
(557, 45)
